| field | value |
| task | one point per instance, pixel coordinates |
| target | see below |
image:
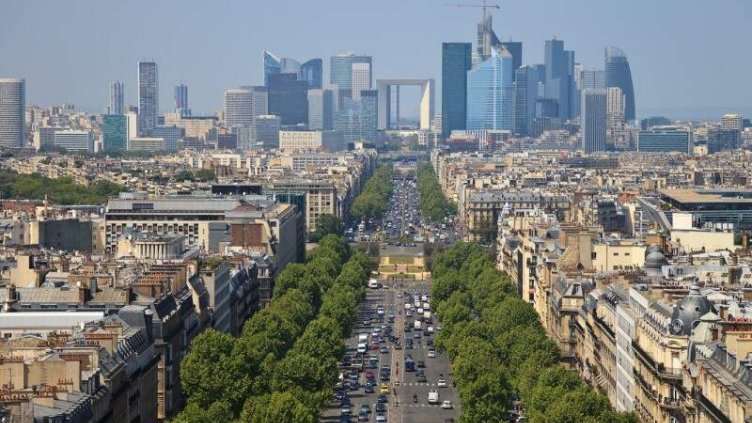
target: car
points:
(384, 350)
(380, 418)
(363, 417)
(416, 335)
(345, 401)
(397, 346)
(344, 419)
(380, 408)
(369, 389)
(408, 313)
(441, 383)
(408, 343)
(431, 354)
(362, 348)
(367, 322)
(345, 410)
(382, 399)
(421, 378)
(384, 388)
(447, 405)
(433, 396)
(429, 342)
(364, 409)
(421, 364)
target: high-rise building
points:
(320, 109)
(515, 49)
(732, 121)
(115, 132)
(288, 98)
(172, 135)
(289, 66)
(12, 112)
(266, 131)
(615, 107)
(456, 60)
(361, 78)
(357, 120)
(490, 92)
(618, 74)
(148, 97)
(341, 71)
(723, 139)
(593, 79)
(664, 139)
(116, 105)
(525, 96)
(259, 98)
(181, 100)
(487, 39)
(272, 65)
(312, 72)
(559, 76)
(593, 120)
(238, 107)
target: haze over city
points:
(684, 59)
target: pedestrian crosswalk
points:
(417, 384)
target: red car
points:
(369, 375)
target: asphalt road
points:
(402, 385)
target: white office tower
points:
(239, 106)
(361, 78)
(12, 105)
(732, 121)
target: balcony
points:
(658, 369)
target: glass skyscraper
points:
(618, 74)
(456, 60)
(272, 65)
(341, 70)
(114, 132)
(357, 120)
(181, 100)
(288, 98)
(312, 72)
(560, 76)
(525, 96)
(148, 98)
(593, 120)
(117, 98)
(320, 109)
(490, 92)
(515, 49)
(12, 113)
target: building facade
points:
(456, 61)
(148, 97)
(12, 112)
(490, 93)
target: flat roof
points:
(729, 196)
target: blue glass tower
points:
(560, 76)
(490, 93)
(312, 72)
(618, 74)
(272, 65)
(456, 60)
(115, 132)
(340, 71)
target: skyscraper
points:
(288, 98)
(12, 112)
(357, 120)
(559, 76)
(618, 74)
(515, 49)
(116, 105)
(593, 120)
(115, 132)
(361, 79)
(525, 95)
(148, 97)
(320, 109)
(490, 92)
(592, 78)
(181, 100)
(238, 107)
(312, 72)
(289, 65)
(456, 60)
(272, 65)
(341, 70)
(732, 121)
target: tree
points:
(327, 224)
(184, 175)
(205, 175)
(289, 278)
(278, 407)
(202, 376)
(219, 411)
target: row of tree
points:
(201, 175)
(284, 365)
(59, 190)
(374, 200)
(499, 350)
(433, 203)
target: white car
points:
(447, 405)
(433, 397)
(431, 354)
(408, 313)
(441, 383)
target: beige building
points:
(311, 140)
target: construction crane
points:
(484, 6)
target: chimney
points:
(714, 332)
(81, 293)
(722, 311)
(747, 294)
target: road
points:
(402, 386)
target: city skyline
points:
(666, 76)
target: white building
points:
(732, 121)
(72, 140)
(146, 144)
(361, 78)
(311, 140)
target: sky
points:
(689, 58)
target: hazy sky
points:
(687, 56)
